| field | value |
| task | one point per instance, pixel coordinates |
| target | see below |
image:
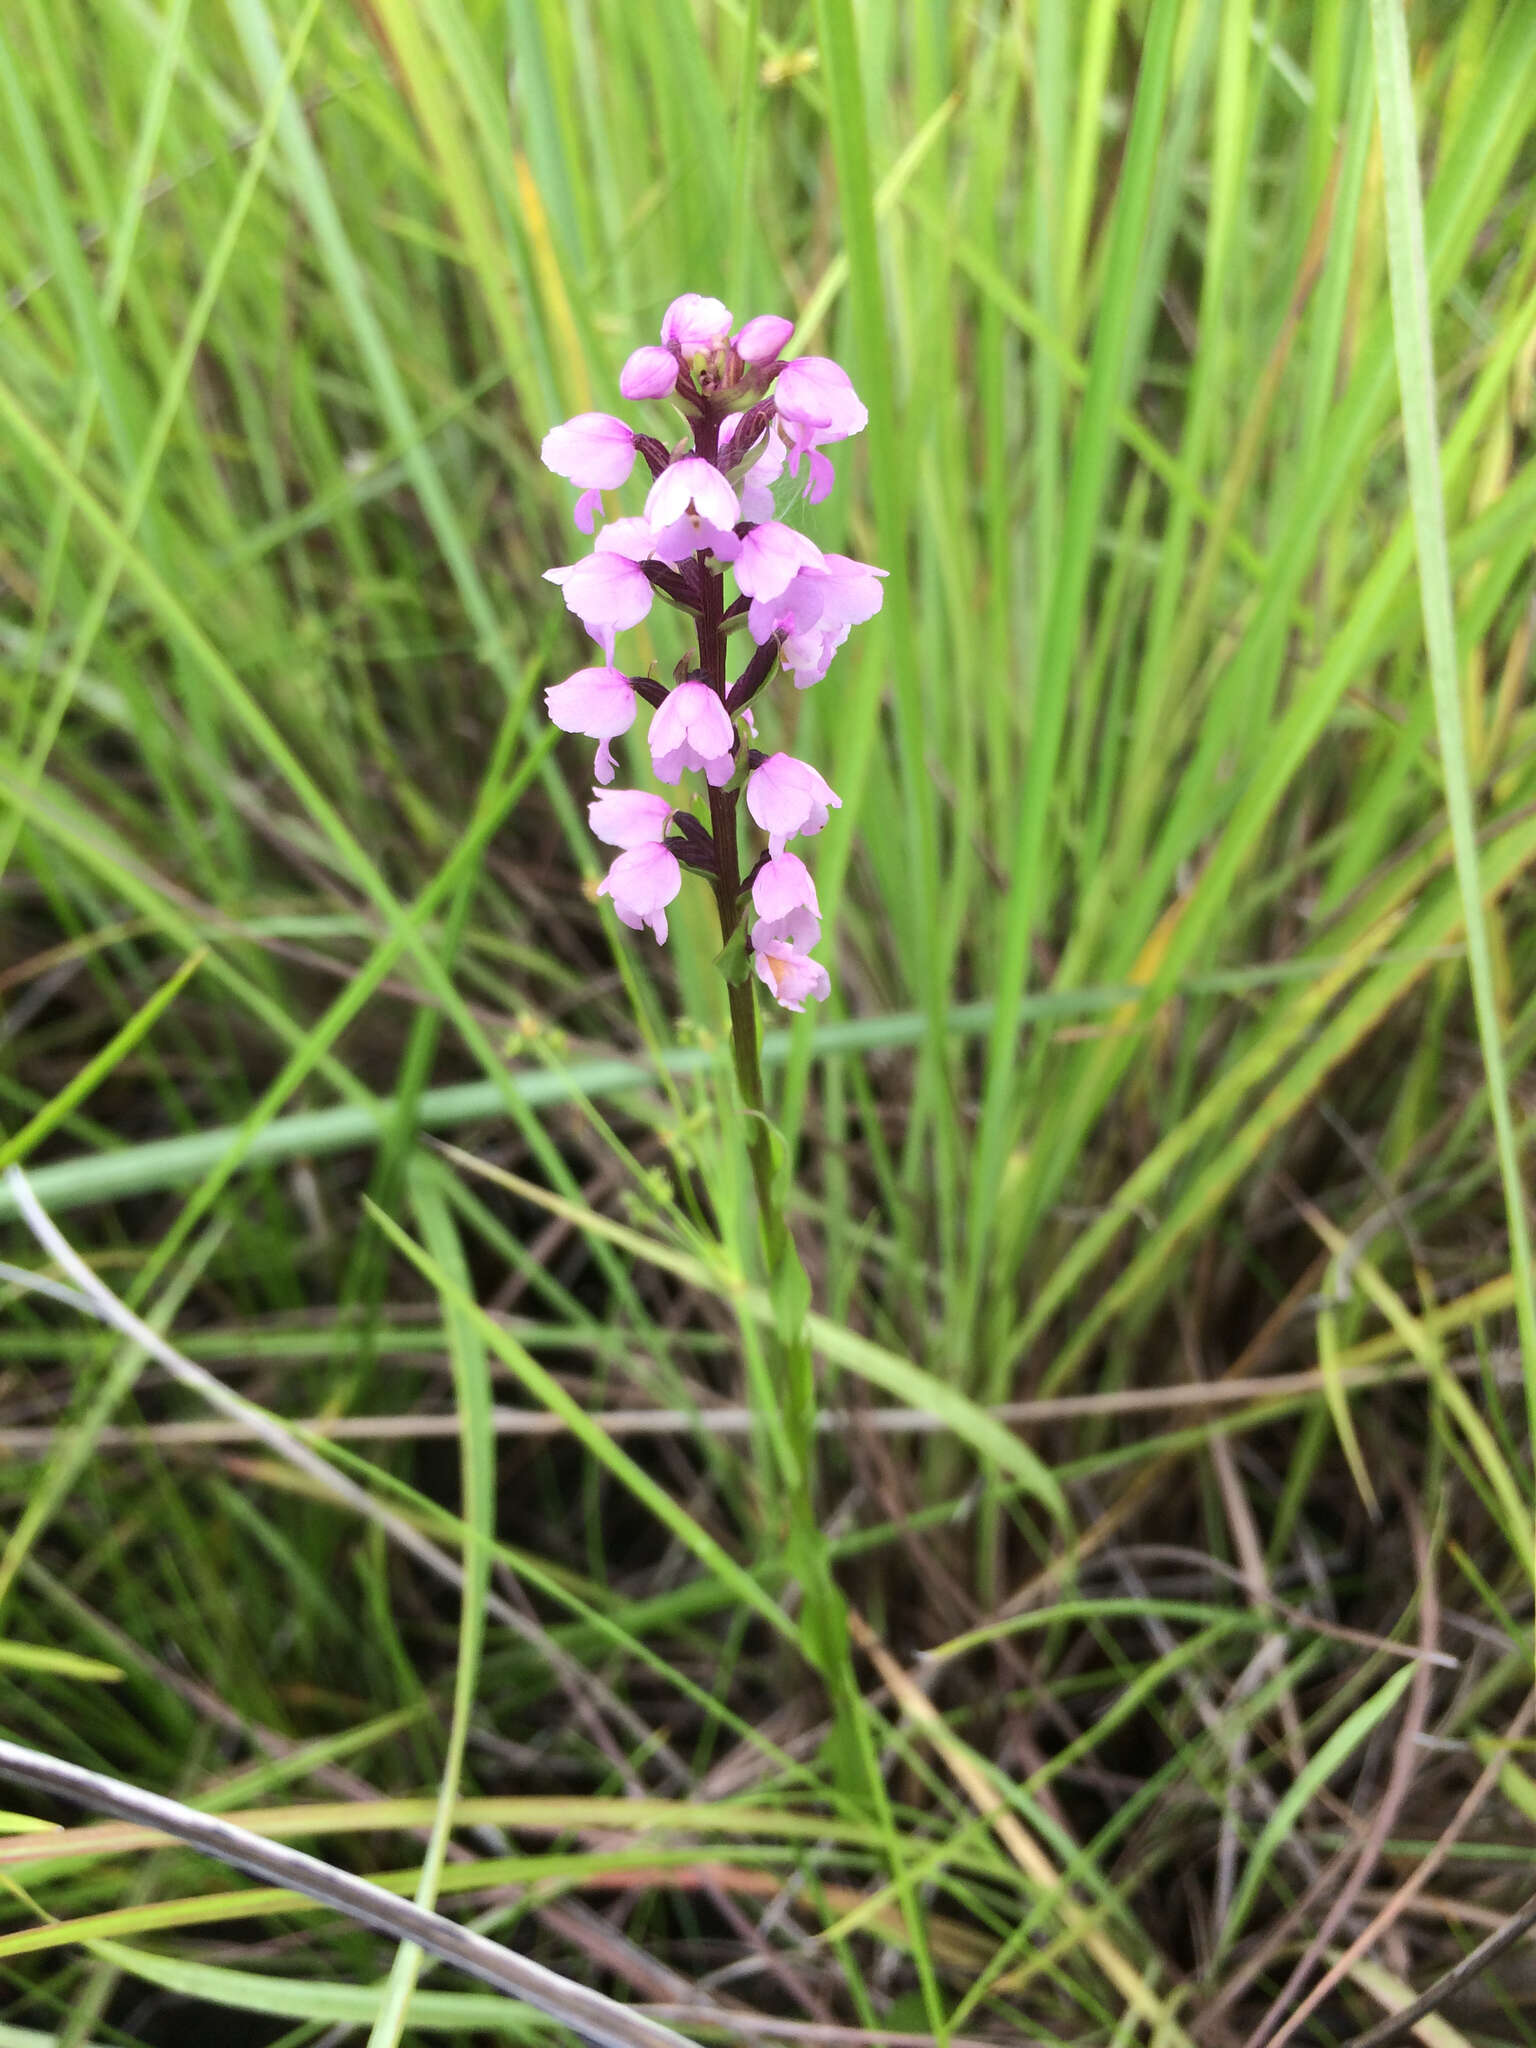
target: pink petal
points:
(795, 610)
(756, 499)
(691, 486)
(629, 817)
(820, 476)
(694, 322)
(642, 882)
(786, 796)
(789, 976)
(598, 703)
(650, 372)
(630, 538)
(594, 450)
(799, 928)
(813, 391)
(851, 590)
(783, 885)
(808, 655)
(687, 536)
(693, 729)
(763, 337)
(770, 558)
(607, 592)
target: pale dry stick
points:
(99, 1301)
(610, 1949)
(1412, 1885)
(1408, 2018)
(1118, 1968)
(819, 2036)
(1439, 1907)
(588, 2013)
(24, 1439)
(39, 1283)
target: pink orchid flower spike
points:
(751, 416)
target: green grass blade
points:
(1421, 440)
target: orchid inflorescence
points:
(751, 416)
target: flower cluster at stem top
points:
(710, 507)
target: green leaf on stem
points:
(789, 1289)
(733, 960)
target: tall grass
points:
(1158, 1158)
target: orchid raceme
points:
(711, 511)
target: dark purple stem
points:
(727, 880)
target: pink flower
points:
(818, 404)
(606, 590)
(593, 450)
(786, 796)
(597, 702)
(815, 611)
(695, 323)
(762, 337)
(789, 975)
(642, 882)
(692, 487)
(783, 885)
(693, 729)
(691, 507)
(753, 415)
(649, 372)
(771, 556)
(629, 817)
(815, 395)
